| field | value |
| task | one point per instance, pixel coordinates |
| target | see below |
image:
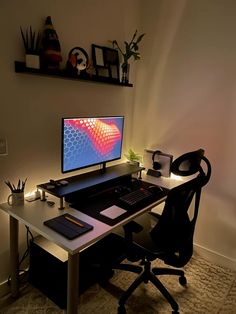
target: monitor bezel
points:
(103, 164)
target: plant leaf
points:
(140, 38)
(32, 37)
(135, 33)
(37, 45)
(27, 40)
(24, 39)
(131, 49)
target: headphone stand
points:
(153, 173)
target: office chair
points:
(171, 239)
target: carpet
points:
(210, 289)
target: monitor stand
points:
(103, 167)
(88, 180)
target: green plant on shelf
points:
(131, 48)
(133, 157)
(31, 41)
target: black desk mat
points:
(66, 227)
(93, 206)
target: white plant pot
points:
(32, 61)
(136, 163)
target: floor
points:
(211, 289)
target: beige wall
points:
(31, 107)
(185, 99)
(184, 96)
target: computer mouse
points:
(155, 189)
(120, 190)
(63, 182)
(50, 203)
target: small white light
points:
(175, 177)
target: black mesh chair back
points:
(175, 229)
(171, 238)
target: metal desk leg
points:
(14, 256)
(72, 283)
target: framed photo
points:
(106, 62)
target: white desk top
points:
(33, 214)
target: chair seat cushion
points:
(157, 242)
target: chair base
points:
(147, 274)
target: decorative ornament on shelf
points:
(131, 50)
(78, 61)
(51, 54)
(32, 47)
(133, 157)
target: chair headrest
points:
(188, 163)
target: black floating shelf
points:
(21, 68)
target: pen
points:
(74, 221)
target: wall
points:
(32, 106)
(185, 100)
(184, 96)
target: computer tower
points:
(48, 266)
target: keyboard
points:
(135, 198)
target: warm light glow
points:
(175, 177)
(30, 193)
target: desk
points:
(33, 214)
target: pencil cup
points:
(16, 198)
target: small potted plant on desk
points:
(133, 158)
(32, 48)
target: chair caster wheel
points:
(183, 281)
(121, 310)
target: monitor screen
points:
(90, 141)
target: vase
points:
(125, 73)
(133, 162)
(32, 61)
(51, 48)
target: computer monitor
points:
(90, 141)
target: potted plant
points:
(133, 157)
(32, 47)
(131, 50)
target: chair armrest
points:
(132, 226)
(155, 215)
(131, 251)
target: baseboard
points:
(215, 257)
(5, 288)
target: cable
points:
(26, 253)
(29, 239)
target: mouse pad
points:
(113, 212)
(69, 226)
(105, 203)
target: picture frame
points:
(106, 62)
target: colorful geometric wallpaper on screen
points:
(89, 141)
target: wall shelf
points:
(21, 68)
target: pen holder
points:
(16, 198)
